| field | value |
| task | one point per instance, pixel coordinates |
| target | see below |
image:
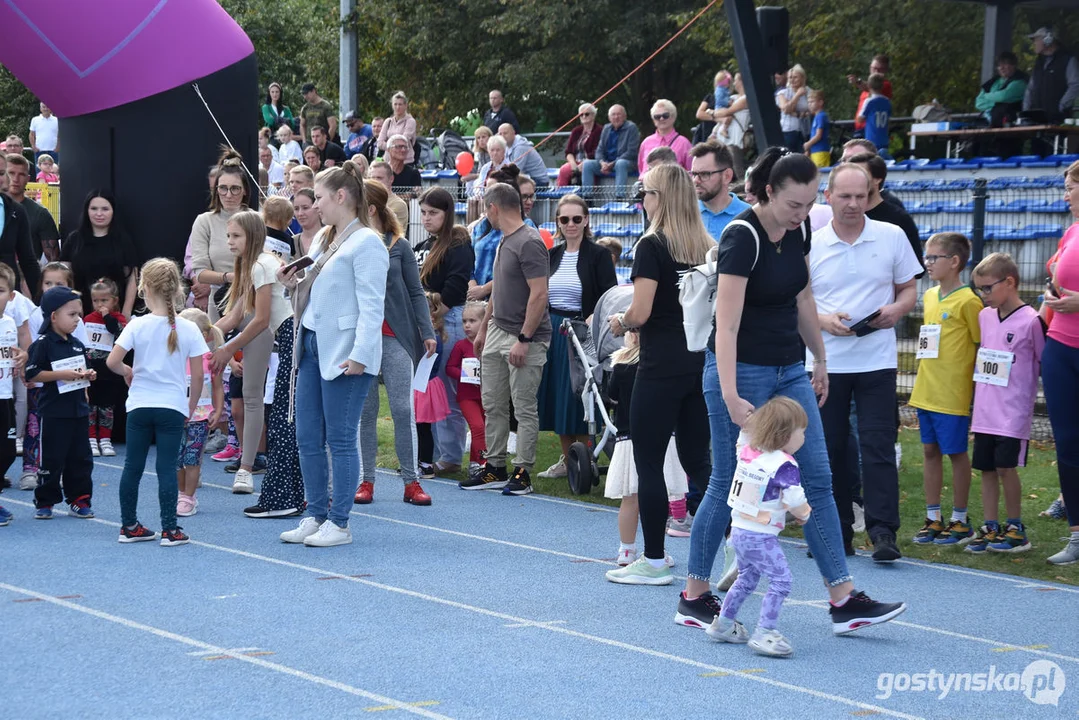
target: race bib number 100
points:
(993, 367)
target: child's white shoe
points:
(770, 643)
(94, 449)
(728, 631)
(625, 557)
(105, 444)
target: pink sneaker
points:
(231, 452)
(186, 506)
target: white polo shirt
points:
(859, 279)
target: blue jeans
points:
(757, 384)
(450, 433)
(590, 169)
(1060, 375)
(328, 414)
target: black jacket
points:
(595, 268)
(16, 246)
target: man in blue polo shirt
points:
(712, 172)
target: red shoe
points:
(365, 493)
(415, 495)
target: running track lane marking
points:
(266, 664)
(1021, 582)
(819, 604)
(456, 605)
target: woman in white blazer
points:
(338, 304)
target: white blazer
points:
(346, 305)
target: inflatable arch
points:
(119, 76)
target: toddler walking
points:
(103, 325)
(463, 370)
(766, 485)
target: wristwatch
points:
(521, 337)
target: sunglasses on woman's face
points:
(661, 116)
(566, 219)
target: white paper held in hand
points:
(423, 372)
(78, 362)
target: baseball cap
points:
(307, 87)
(52, 300)
(351, 115)
(1040, 32)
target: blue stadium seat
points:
(1026, 160)
(997, 232)
(1049, 207)
(963, 229)
(429, 174)
(1001, 164)
(552, 173)
(448, 175)
(959, 208)
(635, 230)
(924, 231)
(621, 208)
(549, 227)
(1064, 159)
(1009, 206)
(1038, 231)
(460, 209)
(959, 184)
(608, 230)
(923, 208)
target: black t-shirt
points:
(450, 278)
(768, 334)
(42, 226)
(408, 177)
(708, 125)
(112, 256)
(889, 213)
(663, 338)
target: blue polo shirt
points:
(715, 222)
(48, 348)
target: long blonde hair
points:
(250, 222)
(160, 277)
(678, 217)
(630, 352)
(202, 321)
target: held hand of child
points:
(739, 410)
(222, 357)
(90, 375)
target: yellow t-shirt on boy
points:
(945, 383)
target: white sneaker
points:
(730, 568)
(328, 535)
(668, 559)
(308, 527)
(28, 481)
(859, 518)
(511, 444)
(558, 470)
(244, 483)
(106, 448)
(94, 449)
(18, 446)
(625, 557)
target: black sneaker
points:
(258, 511)
(520, 483)
(233, 467)
(488, 477)
(885, 550)
(176, 536)
(697, 613)
(860, 611)
(261, 464)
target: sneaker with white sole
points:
(859, 518)
(730, 568)
(215, 443)
(308, 527)
(728, 631)
(186, 505)
(18, 446)
(105, 444)
(94, 449)
(558, 470)
(625, 557)
(860, 611)
(329, 534)
(244, 483)
(229, 454)
(1069, 555)
(641, 572)
(28, 481)
(680, 528)
(698, 612)
(770, 643)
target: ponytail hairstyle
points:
(449, 235)
(230, 163)
(438, 314)
(60, 267)
(377, 197)
(347, 177)
(509, 174)
(202, 321)
(254, 230)
(777, 167)
(104, 284)
(160, 278)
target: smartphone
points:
(299, 264)
(1051, 287)
(862, 327)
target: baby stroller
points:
(590, 365)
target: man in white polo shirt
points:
(863, 276)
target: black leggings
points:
(425, 443)
(662, 406)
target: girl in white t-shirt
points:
(158, 402)
(55, 274)
(256, 307)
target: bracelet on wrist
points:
(819, 362)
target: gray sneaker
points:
(770, 643)
(215, 443)
(859, 518)
(1067, 556)
(728, 631)
(680, 528)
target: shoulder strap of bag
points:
(756, 239)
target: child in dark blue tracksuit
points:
(58, 360)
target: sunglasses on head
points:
(661, 116)
(575, 219)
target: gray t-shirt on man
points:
(521, 257)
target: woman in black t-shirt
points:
(100, 248)
(667, 396)
(764, 313)
(446, 262)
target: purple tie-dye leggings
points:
(758, 554)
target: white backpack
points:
(697, 293)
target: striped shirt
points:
(564, 287)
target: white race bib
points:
(280, 248)
(747, 490)
(8, 341)
(207, 397)
(928, 342)
(470, 371)
(98, 337)
(78, 362)
(993, 367)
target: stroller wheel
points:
(580, 470)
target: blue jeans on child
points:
(328, 414)
(757, 384)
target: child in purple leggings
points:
(767, 484)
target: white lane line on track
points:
(504, 617)
(207, 648)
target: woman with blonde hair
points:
(793, 103)
(668, 396)
(581, 145)
(399, 123)
(664, 114)
(406, 337)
